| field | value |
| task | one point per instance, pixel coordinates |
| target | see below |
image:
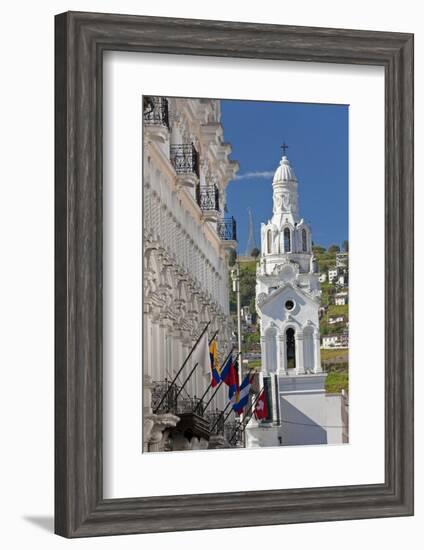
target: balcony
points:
(155, 111)
(169, 399)
(207, 197)
(185, 160)
(227, 231)
(164, 390)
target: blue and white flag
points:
(241, 397)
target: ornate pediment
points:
(286, 271)
(261, 298)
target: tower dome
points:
(284, 172)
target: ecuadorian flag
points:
(213, 354)
(241, 397)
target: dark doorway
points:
(291, 349)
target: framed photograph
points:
(234, 274)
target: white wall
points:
(26, 301)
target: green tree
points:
(255, 252)
(345, 246)
(333, 249)
(232, 257)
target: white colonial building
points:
(342, 259)
(333, 274)
(288, 303)
(341, 298)
(186, 169)
(339, 340)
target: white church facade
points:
(288, 302)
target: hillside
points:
(334, 361)
(247, 287)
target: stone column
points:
(159, 353)
(147, 344)
(156, 367)
(300, 367)
(317, 353)
(263, 355)
(274, 397)
(282, 355)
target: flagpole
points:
(213, 395)
(246, 414)
(186, 380)
(210, 384)
(222, 412)
(219, 417)
(165, 395)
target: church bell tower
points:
(287, 287)
(287, 302)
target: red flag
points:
(261, 407)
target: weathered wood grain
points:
(81, 39)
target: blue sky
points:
(317, 136)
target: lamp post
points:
(235, 277)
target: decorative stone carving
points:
(154, 428)
(260, 299)
(286, 201)
(286, 271)
(185, 274)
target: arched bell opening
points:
(269, 241)
(304, 241)
(290, 349)
(287, 240)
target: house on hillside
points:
(246, 315)
(341, 298)
(342, 259)
(333, 274)
(330, 341)
(336, 319)
(342, 279)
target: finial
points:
(284, 147)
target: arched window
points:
(304, 241)
(268, 241)
(290, 349)
(287, 240)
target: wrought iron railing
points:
(173, 400)
(207, 197)
(185, 159)
(216, 422)
(233, 433)
(155, 111)
(227, 229)
(188, 405)
(159, 391)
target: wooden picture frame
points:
(81, 39)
